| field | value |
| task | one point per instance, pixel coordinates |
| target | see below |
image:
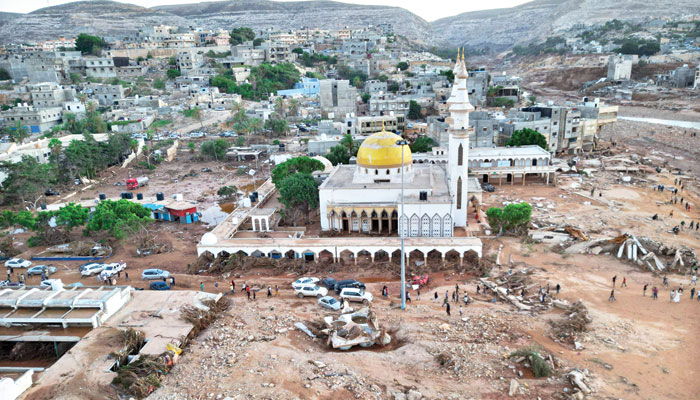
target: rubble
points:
(573, 323)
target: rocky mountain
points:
(500, 29)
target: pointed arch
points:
(437, 226)
(425, 226)
(415, 226)
(460, 154)
(459, 193)
(447, 226)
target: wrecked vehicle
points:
(358, 328)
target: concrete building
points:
(386, 104)
(338, 98)
(35, 120)
(374, 87)
(50, 94)
(309, 87)
(100, 68)
(366, 125)
(106, 95)
(620, 67)
(36, 67)
(478, 86)
(188, 59)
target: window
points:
(447, 226)
(387, 172)
(425, 226)
(415, 222)
(459, 193)
(436, 226)
(460, 151)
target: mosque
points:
(366, 197)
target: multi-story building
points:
(100, 68)
(477, 86)
(373, 87)
(366, 126)
(309, 87)
(620, 66)
(51, 95)
(106, 95)
(33, 119)
(338, 98)
(188, 59)
(388, 103)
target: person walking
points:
(247, 291)
(644, 291)
(614, 279)
(230, 286)
(624, 281)
(692, 293)
(243, 288)
(254, 297)
(126, 275)
(201, 286)
(408, 297)
(655, 293)
(666, 281)
(453, 296)
(673, 294)
(460, 311)
(418, 293)
(478, 289)
(119, 273)
(216, 286)
(99, 279)
(277, 290)
(612, 296)
(12, 270)
(694, 280)
(269, 291)
(384, 291)
(558, 288)
(436, 296)
(448, 308)
(233, 285)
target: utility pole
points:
(402, 143)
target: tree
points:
(241, 122)
(158, 84)
(402, 66)
(19, 132)
(366, 97)
(196, 114)
(88, 44)
(277, 125)
(393, 87)
(172, 73)
(215, 149)
(527, 137)
(71, 216)
(191, 146)
(281, 107)
(448, 74)
(513, 218)
(303, 164)
(257, 42)
(294, 107)
(4, 75)
(414, 110)
(227, 192)
(383, 78)
(25, 181)
(338, 154)
(241, 35)
(352, 145)
(56, 147)
(423, 144)
(298, 193)
(256, 125)
(114, 217)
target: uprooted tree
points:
(513, 218)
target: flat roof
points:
(495, 152)
(425, 176)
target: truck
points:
(135, 183)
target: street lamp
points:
(402, 142)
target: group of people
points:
(249, 291)
(674, 295)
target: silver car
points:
(154, 273)
(38, 269)
(330, 303)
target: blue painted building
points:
(309, 87)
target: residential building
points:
(337, 98)
(373, 87)
(33, 119)
(188, 59)
(50, 94)
(309, 87)
(106, 95)
(366, 125)
(388, 103)
(477, 86)
(100, 68)
(620, 67)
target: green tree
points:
(383, 78)
(172, 73)
(158, 84)
(277, 125)
(19, 132)
(423, 144)
(402, 66)
(257, 42)
(56, 147)
(191, 146)
(527, 137)
(256, 125)
(215, 149)
(513, 218)
(304, 165)
(349, 143)
(4, 75)
(298, 194)
(88, 44)
(393, 87)
(293, 107)
(366, 97)
(241, 35)
(25, 181)
(241, 122)
(281, 107)
(71, 216)
(196, 114)
(448, 74)
(227, 192)
(114, 217)
(338, 154)
(75, 78)
(414, 110)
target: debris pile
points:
(580, 380)
(509, 287)
(573, 323)
(530, 358)
(355, 328)
(202, 318)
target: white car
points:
(304, 281)
(89, 265)
(93, 269)
(38, 269)
(330, 303)
(310, 291)
(357, 295)
(48, 282)
(112, 269)
(17, 263)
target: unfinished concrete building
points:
(338, 98)
(620, 67)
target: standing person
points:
(172, 281)
(12, 270)
(254, 295)
(99, 279)
(233, 285)
(692, 293)
(201, 286)
(448, 308)
(247, 291)
(269, 291)
(694, 280)
(453, 296)
(624, 281)
(277, 290)
(460, 311)
(243, 288)
(673, 294)
(126, 275)
(644, 291)
(384, 292)
(216, 286)
(22, 279)
(612, 296)
(436, 296)
(418, 293)
(457, 288)
(478, 289)
(447, 295)
(655, 293)
(119, 273)
(408, 297)
(230, 286)
(666, 281)
(614, 279)
(558, 288)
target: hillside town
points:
(199, 212)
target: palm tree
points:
(294, 107)
(56, 147)
(281, 106)
(256, 125)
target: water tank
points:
(424, 196)
(256, 195)
(43, 206)
(139, 196)
(129, 195)
(103, 196)
(124, 195)
(159, 196)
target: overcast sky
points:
(429, 10)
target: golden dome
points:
(381, 151)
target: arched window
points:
(425, 226)
(376, 172)
(387, 172)
(415, 222)
(460, 156)
(437, 231)
(459, 193)
(447, 226)
(403, 226)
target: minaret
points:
(458, 151)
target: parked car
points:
(93, 269)
(88, 265)
(159, 285)
(304, 281)
(488, 187)
(219, 109)
(328, 282)
(51, 192)
(356, 294)
(154, 273)
(330, 303)
(173, 136)
(311, 290)
(348, 283)
(112, 269)
(420, 280)
(38, 269)
(17, 263)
